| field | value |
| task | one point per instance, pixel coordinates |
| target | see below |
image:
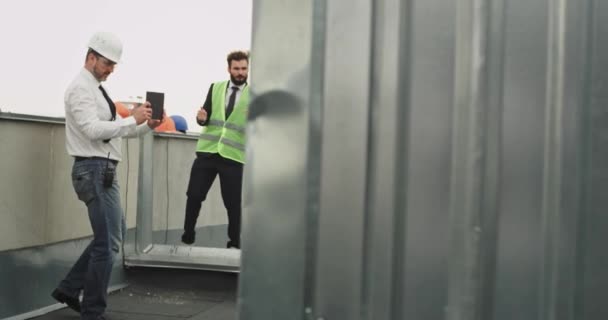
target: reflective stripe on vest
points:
(217, 123)
(234, 144)
(209, 137)
(227, 125)
(234, 127)
(224, 140)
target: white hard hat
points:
(107, 44)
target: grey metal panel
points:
(493, 129)
(128, 174)
(474, 157)
(180, 154)
(161, 200)
(344, 168)
(402, 146)
(384, 122)
(521, 189)
(460, 196)
(24, 175)
(275, 199)
(145, 197)
(594, 256)
(563, 147)
(428, 159)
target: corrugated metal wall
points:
(426, 159)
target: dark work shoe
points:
(188, 238)
(72, 302)
(231, 244)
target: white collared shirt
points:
(87, 121)
(229, 92)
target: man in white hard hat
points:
(93, 138)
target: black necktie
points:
(112, 107)
(231, 101)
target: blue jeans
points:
(91, 273)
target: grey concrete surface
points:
(164, 294)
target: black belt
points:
(77, 159)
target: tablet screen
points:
(157, 100)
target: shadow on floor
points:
(157, 294)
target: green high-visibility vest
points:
(221, 135)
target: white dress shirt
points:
(87, 121)
(229, 92)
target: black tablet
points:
(157, 100)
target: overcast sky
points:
(177, 47)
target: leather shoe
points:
(72, 302)
(188, 238)
(231, 244)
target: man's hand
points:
(142, 113)
(155, 123)
(201, 115)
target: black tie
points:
(231, 101)
(112, 107)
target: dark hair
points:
(93, 52)
(237, 56)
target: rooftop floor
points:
(164, 294)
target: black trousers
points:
(205, 168)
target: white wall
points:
(177, 47)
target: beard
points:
(100, 75)
(239, 81)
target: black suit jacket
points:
(207, 107)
